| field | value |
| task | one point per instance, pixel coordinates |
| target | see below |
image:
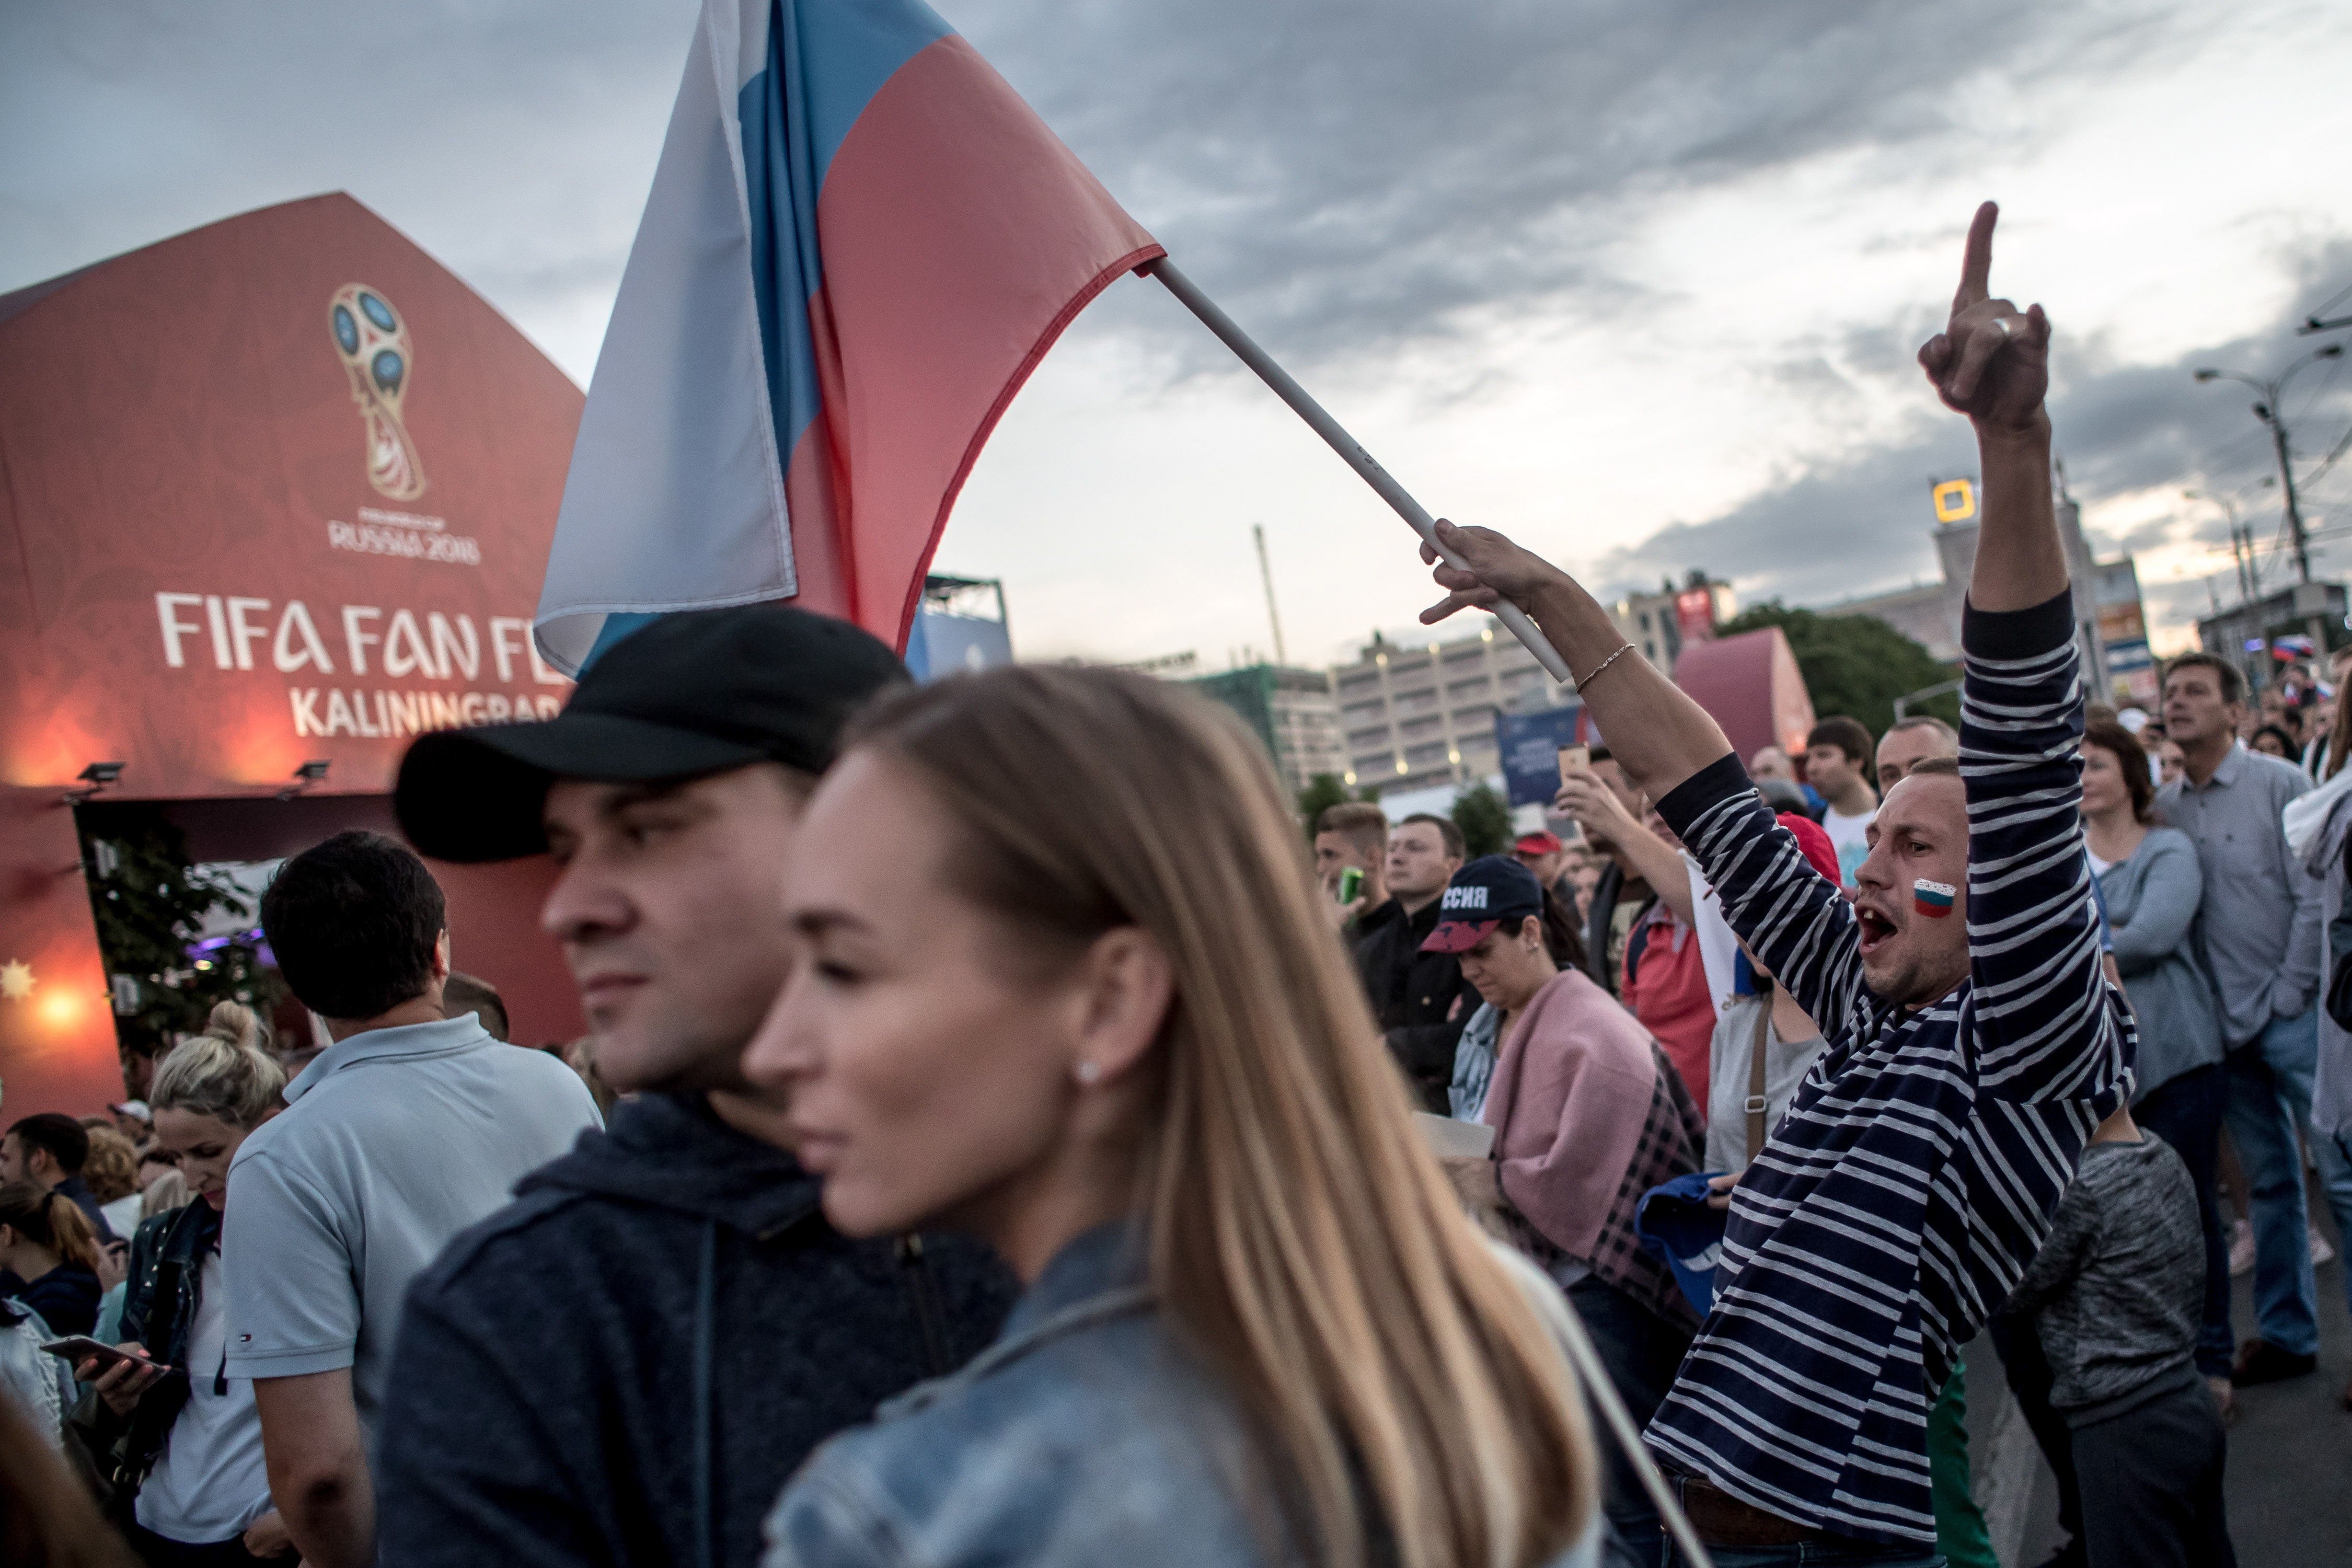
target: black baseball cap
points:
(1483, 895)
(696, 692)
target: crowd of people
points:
(999, 1147)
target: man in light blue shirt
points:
(409, 1129)
(2259, 933)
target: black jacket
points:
(624, 1365)
(67, 1299)
(75, 1188)
(1413, 996)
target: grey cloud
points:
(1348, 176)
(515, 141)
(1859, 523)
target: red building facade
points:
(274, 493)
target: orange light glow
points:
(59, 1009)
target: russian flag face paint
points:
(1933, 899)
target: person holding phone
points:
(171, 1426)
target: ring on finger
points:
(2007, 331)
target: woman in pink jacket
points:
(1588, 1115)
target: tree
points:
(1323, 791)
(1856, 665)
(151, 905)
(1485, 821)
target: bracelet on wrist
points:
(1623, 649)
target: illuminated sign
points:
(229, 586)
(1695, 613)
(1956, 501)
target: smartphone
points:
(1575, 759)
(1351, 882)
(79, 1347)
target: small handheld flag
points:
(1933, 899)
(858, 244)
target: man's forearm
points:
(2020, 561)
(318, 1468)
(1658, 735)
(331, 1516)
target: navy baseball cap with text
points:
(693, 693)
(1484, 894)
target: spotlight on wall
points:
(305, 776)
(97, 775)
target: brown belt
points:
(1722, 1520)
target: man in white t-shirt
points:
(1837, 765)
(407, 1130)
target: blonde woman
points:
(181, 1432)
(1065, 984)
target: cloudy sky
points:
(1637, 282)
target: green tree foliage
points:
(1855, 665)
(1485, 821)
(1323, 791)
(150, 906)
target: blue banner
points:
(947, 645)
(1529, 745)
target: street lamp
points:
(2270, 411)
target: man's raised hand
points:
(1991, 361)
(1499, 570)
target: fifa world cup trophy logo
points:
(373, 342)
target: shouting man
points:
(1973, 1045)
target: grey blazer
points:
(2152, 901)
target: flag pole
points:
(1247, 349)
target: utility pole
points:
(1265, 572)
(2294, 509)
(2271, 412)
(2246, 583)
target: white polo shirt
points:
(394, 1140)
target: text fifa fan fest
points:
(360, 641)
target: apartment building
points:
(1291, 710)
(1418, 714)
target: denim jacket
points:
(1085, 1436)
(165, 1281)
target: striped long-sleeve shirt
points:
(1915, 1174)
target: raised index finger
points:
(1976, 264)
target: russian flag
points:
(859, 242)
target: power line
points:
(2315, 323)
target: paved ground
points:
(2290, 1456)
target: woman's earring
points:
(1088, 1071)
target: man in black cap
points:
(623, 1366)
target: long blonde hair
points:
(225, 1072)
(1399, 1380)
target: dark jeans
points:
(2151, 1483)
(2030, 1379)
(1641, 1352)
(157, 1551)
(2186, 1112)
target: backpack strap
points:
(1756, 1102)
